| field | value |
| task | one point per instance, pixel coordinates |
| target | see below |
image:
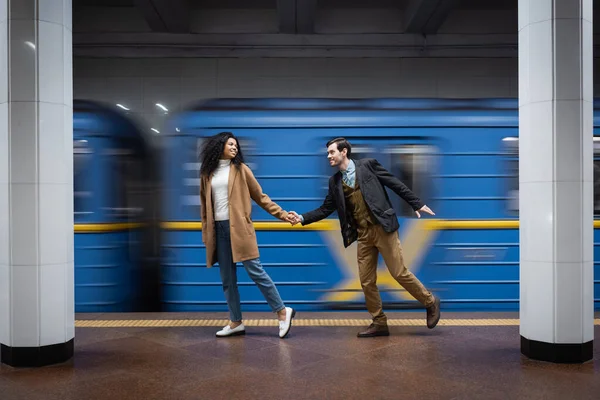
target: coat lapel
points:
(233, 172)
(340, 192)
(208, 186)
(357, 173)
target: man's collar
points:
(350, 166)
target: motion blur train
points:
(138, 231)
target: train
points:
(116, 178)
(138, 241)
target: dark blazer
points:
(371, 177)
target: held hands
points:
(293, 218)
(424, 209)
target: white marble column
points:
(556, 179)
(36, 182)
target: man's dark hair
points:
(342, 144)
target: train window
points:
(249, 149)
(596, 176)
(511, 145)
(191, 173)
(127, 185)
(414, 165)
(82, 155)
(362, 151)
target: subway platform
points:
(177, 356)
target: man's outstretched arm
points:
(389, 180)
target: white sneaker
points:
(227, 331)
(284, 326)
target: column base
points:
(37, 356)
(563, 353)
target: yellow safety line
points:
(331, 322)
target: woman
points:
(226, 187)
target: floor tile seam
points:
(418, 372)
(85, 343)
(89, 382)
(307, 365)
(379, 348)
(148, 343)
(227, 362)
(298, 347)
(404, 369)
(247, 369)
(172, 346)
(542, 366)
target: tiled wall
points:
(36, 173)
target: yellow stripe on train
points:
(109, 227)
(325, 225)
(331, 225)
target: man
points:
(357, 192)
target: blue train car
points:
(460, 156)
(113, 166)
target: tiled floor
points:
(449, 362)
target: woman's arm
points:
(261, 198)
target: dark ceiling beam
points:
(286, 14)
(305, 16)
(427, 16)
(154, 45)
(171, 16)
(296, 16)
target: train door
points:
(134, 179)
(82, 179)
(511, 152)
(596, 177)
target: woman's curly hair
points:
(212, 150)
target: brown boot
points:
(374, 330)
(433, 314)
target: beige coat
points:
(242, 187)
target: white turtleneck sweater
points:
(219, 185)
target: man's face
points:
(334, 156)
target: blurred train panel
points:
(117, 235)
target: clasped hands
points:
(293, 218)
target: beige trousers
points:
(372, 241)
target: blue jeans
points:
(229, 275)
